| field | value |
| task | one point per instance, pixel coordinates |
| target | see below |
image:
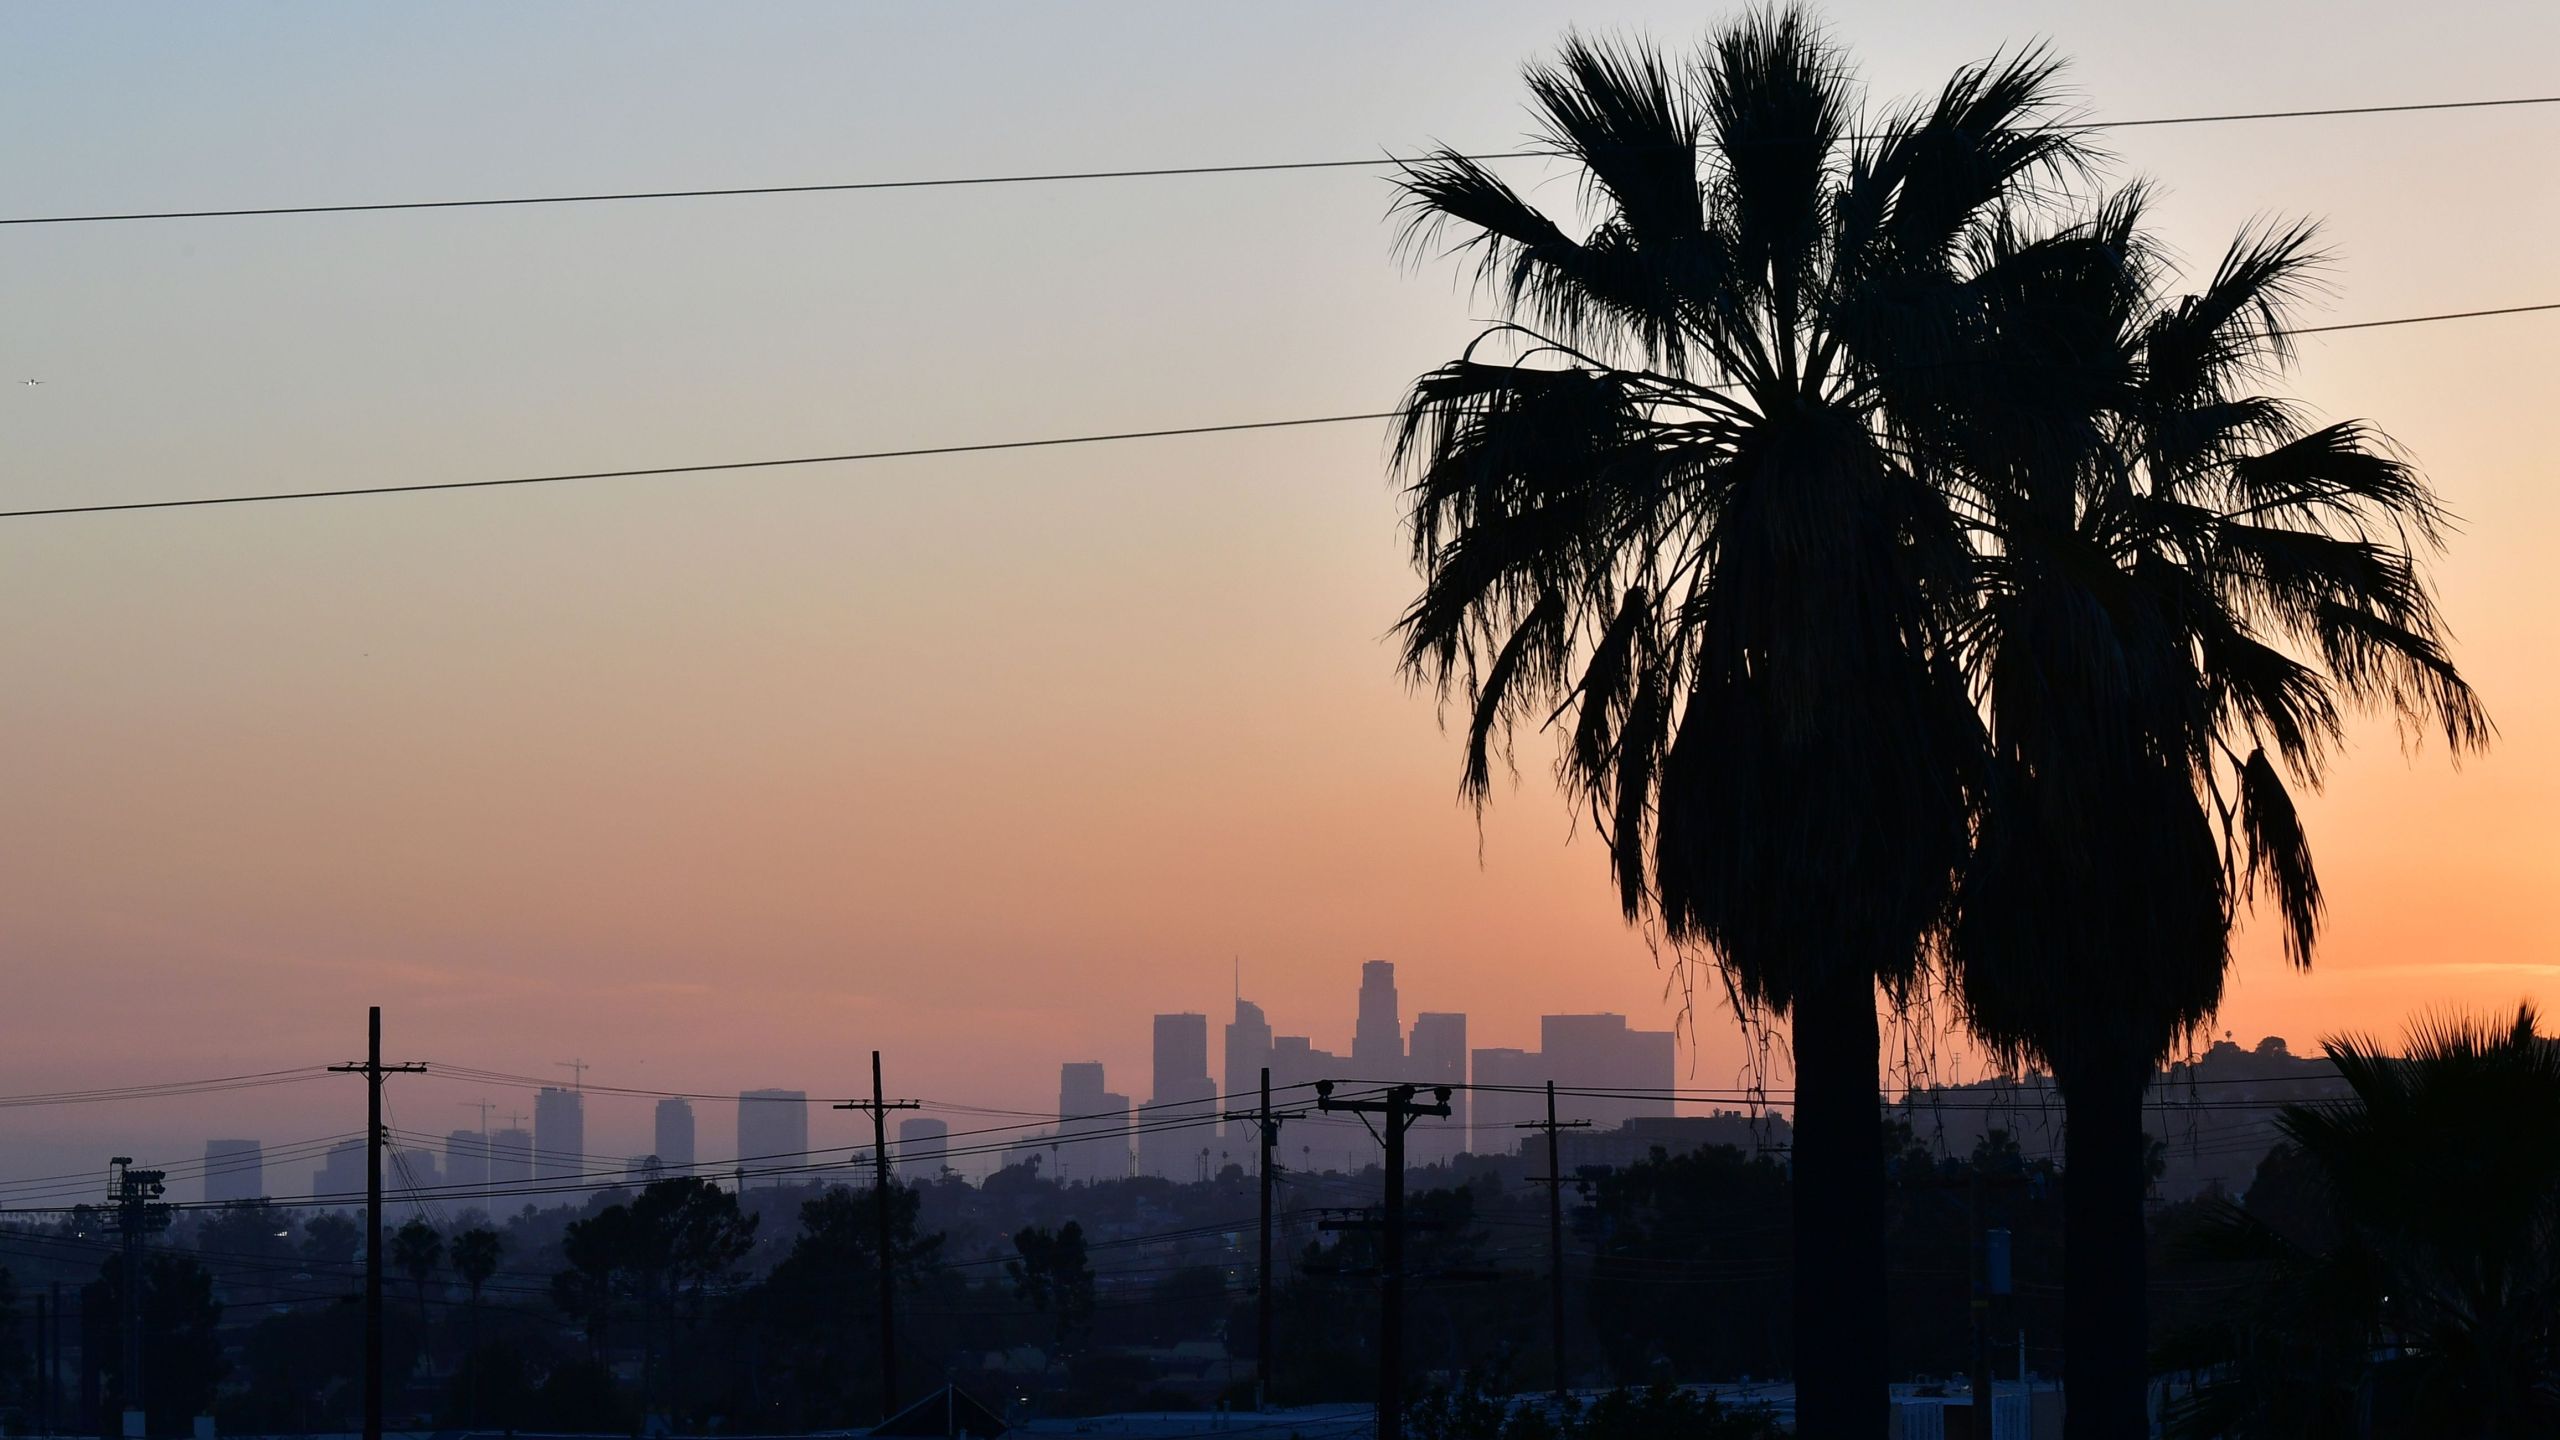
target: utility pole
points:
(1396, 1111)
(1269, 1125)
(1981, 1312)
(880, 1108)
(135, 1196)
(372, 1069)
(1554, 1181)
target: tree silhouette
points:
(2426, 1295)
(1671, 507)
(475, 1259)
(417, 1250)
(2183, 588)
(1050, 1271)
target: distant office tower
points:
(1248, 1050)
(1181, 1116)
(340, 1179)
(510, 1164)
(1599, 1052)
(1505, 1080)
(412, 1175)
(773, 1131)
(1296, 1063)
(1080, 1087)
(1092, 1138)
(1377, 1042)
(466, 1161)
(234, 1170)
(675, 1136)
(559, 1134)
(1439, 1057)
(923, 1146)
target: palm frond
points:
(2280, 855)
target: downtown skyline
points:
(733, 820)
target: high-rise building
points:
(510, 1163)
(1248, 1051)
(411, 1175)
(234, 1170)
(1599, 1052)
(1167, 1145)
(773, 1131)
(923, 1146)
(1297, 1063)
(466, 1160)
(1439, 1057)
(1092, 1138)
(1504, 1098)
(341, 1177)
(1377, 1041)
(559, 1134)
(674, 1147)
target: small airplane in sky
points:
(30, 382)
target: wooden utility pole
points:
(1269, 1126)
(372, 1069)
(879, 1109)
(1554, 1181)
(1396, 1111)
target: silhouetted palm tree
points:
(2431, 1299)
(417, 1249)
(475, 1259)
(2185, 585)
(1671, 508)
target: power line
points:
(1147, 173)
(973, 448)
(844, 459)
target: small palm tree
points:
(475, 1259)
(1672, 507)
(2432, 1300)
(2185, 587)
(417, 1249)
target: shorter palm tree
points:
(417, 1249)
(2430, 1301)
(475, 1259)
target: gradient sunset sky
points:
(722, 781)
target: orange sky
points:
(719, 782)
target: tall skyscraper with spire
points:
(1248, 1050)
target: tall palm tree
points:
(2441, 1255)
(2186, 586)
(1668, 508)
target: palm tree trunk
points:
(2105, 1308)
(1840, 1363)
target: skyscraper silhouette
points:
(510, 1160)
(773, 1130)
(923, 1146)
(559, 1134)
(466, 1159)
(1100, 1120)
(1248, 1050)
(234, 1170)
(674, 1135)
(1377, 1041)
(1181, 1115)
(1438, 1056)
